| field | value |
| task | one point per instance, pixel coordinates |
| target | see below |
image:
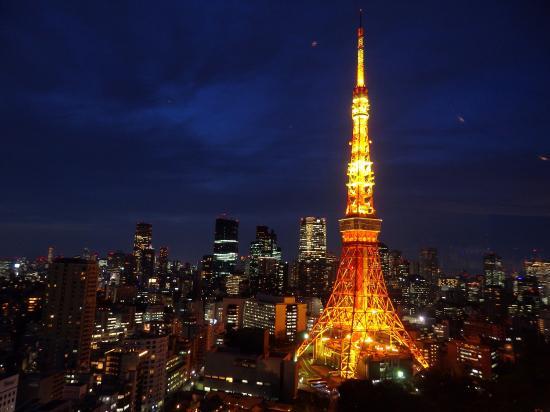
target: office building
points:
(266, 272)
(428, 265)
(231, 313)
(282, 316)
(144, 263)
(245, 365)
(493, 270)
(313, 238)
(540, 269)
(312, 267)
(69, 314)
(162, 269)
(152, 380)
(226, 249)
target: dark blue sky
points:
(173, 112)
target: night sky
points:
(175, 112)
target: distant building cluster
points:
(140, 331)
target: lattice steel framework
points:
(359, 319)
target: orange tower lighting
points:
(359, 321)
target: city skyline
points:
(141, 136)
(177, 171)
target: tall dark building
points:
(493, 290)
(163, 260)
(143, 248)
(493, 270)
(162, 269)
(265, 270)
(69, 314)
(428, 265)
(399, 270)
(226, 247)
(207, 267)
(312, 266)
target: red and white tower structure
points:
(359, 323)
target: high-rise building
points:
(226, 247)
(234, 284)
(312, 267)
(281, 315)
(313, 238)
(143, 239)
(231, 313)
(265, 269)
(399, 266)
(471, 358)
(540, 269)
(116, 266)
(50, 254)
(359, 333)
(493, 291)
(69, 314)
(428, 265)
(398, 272)
(419, 292)
(493, 270)
(152, 381)
(163, 261)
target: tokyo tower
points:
(359, 326)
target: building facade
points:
(283, 317)
(69, 314)
(226, 249)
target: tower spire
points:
(360, 172)
(360, 52)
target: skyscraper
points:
(264, 268)
(493, 270)
(143, 239)
(152, 385)
(163, 260)
(313, 238)
(494, 285)
(313, 270)
(226, 249)
(50, 254)
(162, 269)
(541, 270)
(429, 265)
(69, 314)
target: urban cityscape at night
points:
(269, 206)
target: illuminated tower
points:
(359, 326)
